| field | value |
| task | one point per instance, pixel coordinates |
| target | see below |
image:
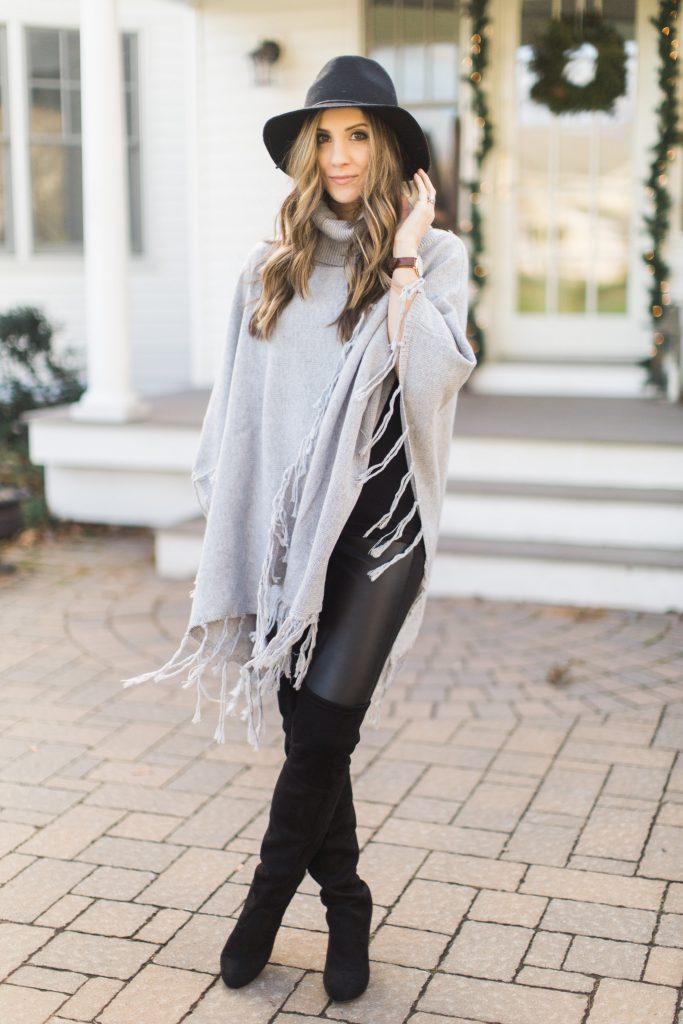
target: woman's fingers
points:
(424, 185)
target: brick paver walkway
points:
(520, 810)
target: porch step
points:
(645, 579)
(177, 548)
(553, 461)
(580, 515)
(519, 377)
(648, 577)
(569, 519)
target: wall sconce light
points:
(264, 56)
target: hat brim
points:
(281, 130)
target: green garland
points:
(477, 10)
(551, 54)
(668, 137)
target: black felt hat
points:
(351, 81)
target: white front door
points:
(565, 236)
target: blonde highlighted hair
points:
(291, 260)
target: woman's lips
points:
(342, 181)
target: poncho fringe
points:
(260, 675)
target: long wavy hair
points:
(291, 260)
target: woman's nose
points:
(339, 154)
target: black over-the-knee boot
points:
(346, 897)
(323, 737)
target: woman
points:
(336, 309)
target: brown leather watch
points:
(404, 261)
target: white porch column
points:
(105, 220)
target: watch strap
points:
(403, 261)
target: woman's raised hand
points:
(417, 211)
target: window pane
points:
(443, 55)
(47, 175)
(414, 51)
(74, 194)
(134, 193)
(131, 111)
(130, 94)
(57, 191)
(43, 53)
(129, 43)
(73, 56)
(73, 110)
(46, 111)
(382, 36)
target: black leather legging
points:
(360, 618)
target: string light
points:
(475, 66)
(669, 138)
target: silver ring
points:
(431, 200)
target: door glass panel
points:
(571, 286)
(532, 250)
(574, 170)
(611, 249)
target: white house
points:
(140, 121)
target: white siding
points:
(238, 188)
(159, 278)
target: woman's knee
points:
(324, 731)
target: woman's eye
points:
(325, 138)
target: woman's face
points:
(343, 152)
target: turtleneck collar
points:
(335, 235)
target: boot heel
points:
(347, 964)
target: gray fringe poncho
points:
(283, 454)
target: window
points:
(5, 171)
(54, 99)
(417, 42)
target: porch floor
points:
(630, 420)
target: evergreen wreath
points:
(551, 55)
